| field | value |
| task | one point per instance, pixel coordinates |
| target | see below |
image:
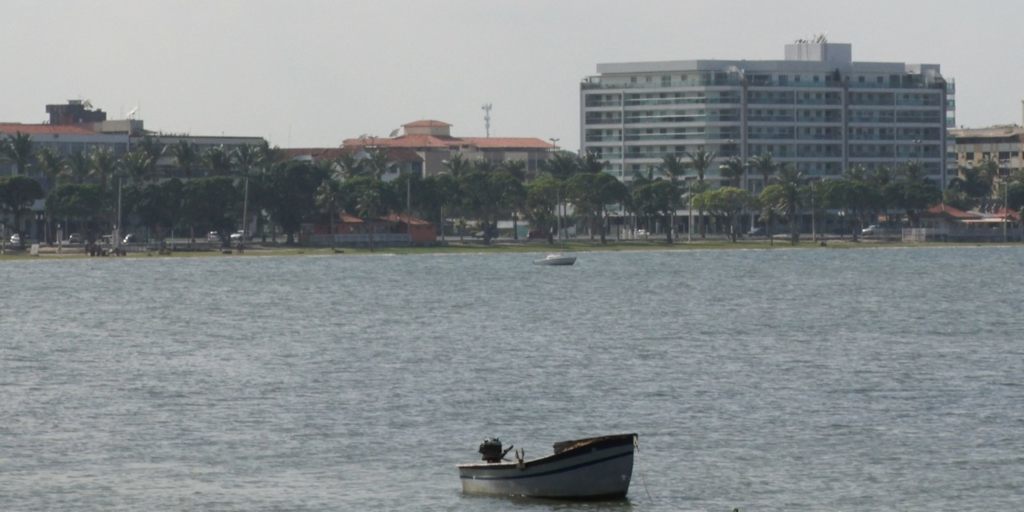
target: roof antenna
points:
(487, 118)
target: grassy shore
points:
(476, 247)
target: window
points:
(632, 79)
(860, 79)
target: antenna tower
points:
(487, 118)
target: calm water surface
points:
(765, 380)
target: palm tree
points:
(674, 168)
(791, 198)
(50, 164)
(154, 149)
(349, 166)
(732, 172)
(701, 161)
(516, 168)
(377, 162)
(368, 204)
(186, 154)
(76, 167)
(136, 164)
(217, 160)
(457, 166)
(245, 157)
(18, 148)
(327, 198)
(765, 166)
(102, 164)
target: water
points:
(766, 380)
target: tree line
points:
(211, 188)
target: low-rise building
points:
(433, 142)
(1001, 144)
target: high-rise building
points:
(817, 109)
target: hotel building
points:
(817, 109)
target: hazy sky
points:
(311, 73)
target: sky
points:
(306, 73)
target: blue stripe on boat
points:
(546, 473)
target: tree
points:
(186, 155)
(217, 160)
(17, 193)
(377, 162)
(726, 202)
(456, 165)
(350, 166)
(85, 204)
(137, 165)
(327, 198)
(655, 198)
(701, 161)
(541, 201)
(512, 196)
(51, 164)
(159, 205)
(913, 192)
(732, 172)
(211, 203)
(765, 166)
(18, 148)
(102, 164)
(772, 204)
(76, 167)
(790, 198)
(291, 195)
(368, 205)
(153, 148)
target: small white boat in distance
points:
(556, 259)
(595, 468)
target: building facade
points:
(817, 109)
(433, 142)
(1001, 144)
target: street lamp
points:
(554, 142)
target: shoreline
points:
(504, 247)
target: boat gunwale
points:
(596, 443)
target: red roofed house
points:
(946, 223)
(433, 142)
(392, 229)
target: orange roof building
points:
(433, 142)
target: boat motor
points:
(490, 450)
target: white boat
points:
(556, 259)
(595, 468)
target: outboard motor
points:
(490, 450)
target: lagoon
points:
(779, 379)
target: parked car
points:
(236, 236)
(74, 238)
(130, 238)
(15, 239)
(756, 231)
(213, 236)
(871, 230)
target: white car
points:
(871, 230)
(236, 236)
(15, 239)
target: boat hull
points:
(557, 261)
(596, 470)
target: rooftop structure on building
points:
(817, 109)
(433, 142)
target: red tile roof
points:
(396, 154)
(1004, 213)
(945, 209)
(408, 219)
(433, 141)
(45, 129)
(507, 142)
